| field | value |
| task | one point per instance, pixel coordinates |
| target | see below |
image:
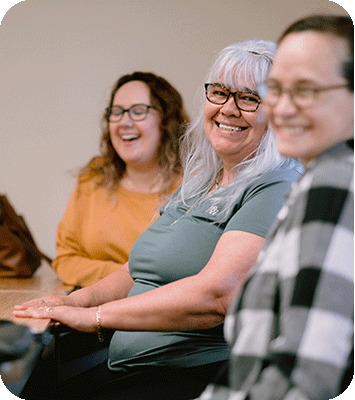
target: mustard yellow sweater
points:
(97, 232)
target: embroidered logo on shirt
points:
(213, 210)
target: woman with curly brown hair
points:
(118, 193)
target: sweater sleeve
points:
(73, 264)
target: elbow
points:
(221, 309)
(215, 313)
(222, 301)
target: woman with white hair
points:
(167, 306)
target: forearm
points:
(197, 302)
(162, 309)
(113, 287)
(178, 306)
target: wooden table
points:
(14, 291)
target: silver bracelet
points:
(98, 325)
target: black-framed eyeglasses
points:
(216, 93)
(302, 96)
(137, 112)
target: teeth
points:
(231, 128)
(129, 136)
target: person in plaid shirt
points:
(291, 325)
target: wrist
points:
(75, 299)
(99, 330)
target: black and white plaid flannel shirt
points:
(291, 326)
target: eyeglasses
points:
(218, 94)
(302, 96)
(137, 112)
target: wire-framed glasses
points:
(216, 93)
(303, 96)
(137, 112)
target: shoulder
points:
(333, 168)
(282, 178)
(327, 188)
(85, 188)
(175, 184)
(173, 200)
(282, 174)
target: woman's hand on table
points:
(53, 307)
(48, 301)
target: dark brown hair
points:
(108, 168)
(338, 25)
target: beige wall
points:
(59, 59)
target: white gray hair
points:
(236, 66)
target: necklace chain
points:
(214, 184)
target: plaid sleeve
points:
(291, 328)
(316, 322)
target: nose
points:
(229, 108)
(285, 106)
(126, 119)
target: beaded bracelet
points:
(98, 325)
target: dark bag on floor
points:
(19, 254)
(15, 340)
(20, 348)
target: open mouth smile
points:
(129, 137)
(231, 128)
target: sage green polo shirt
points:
(179, 245)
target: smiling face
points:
(136, 142)
(311, 59)
(234, 134)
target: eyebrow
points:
(297, 83)
(242, 89)
(248, 90)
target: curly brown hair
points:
(108, 168)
